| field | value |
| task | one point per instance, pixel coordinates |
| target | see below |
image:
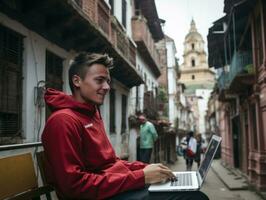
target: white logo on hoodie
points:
(88, 125)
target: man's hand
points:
(155, 173)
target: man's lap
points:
(144, 194)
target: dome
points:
(193, 33)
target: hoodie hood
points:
(57, 100)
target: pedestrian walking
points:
(199, 149)
(191, 150)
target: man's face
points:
(94, 86)
(142, 119)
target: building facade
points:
(38, 42)
(143, 98)
(172, 78)
(241, 89)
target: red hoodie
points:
(81, 162)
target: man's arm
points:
(63, 147)
(153, 132)
(136, 165)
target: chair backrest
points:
(17, 175)
(41, 164)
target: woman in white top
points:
(191, 150)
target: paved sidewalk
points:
(222, 183)
(230, 177)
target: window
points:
(124, 114)
(124, 13)
(193, 77)
(112, 111)
(111, 2)
(193, 46)
(138, 67)
(145, 82)
(137, 99)
(11, 44)
(193, 63)
(53, 74)
(53, 71)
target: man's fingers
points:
(167, 172)
(164, 167)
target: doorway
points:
(235, 135)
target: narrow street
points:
(215, 188)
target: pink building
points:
(241, 60)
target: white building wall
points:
(171, 76)
(33, 71)
(151, 83)
(116, 138)
(34, 56)
(202, 106)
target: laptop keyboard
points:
(182, 180)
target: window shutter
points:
(10, 82)
(53, 74)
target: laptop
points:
(190, 180)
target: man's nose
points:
(106, 85)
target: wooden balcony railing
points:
(99, 13)
(120, 40)
(141, 34)
(238, 64)
(104, 17)
(132, 53)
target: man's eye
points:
(99, 80)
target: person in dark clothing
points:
(197, 157)
(80, 160)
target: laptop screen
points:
(212, 147)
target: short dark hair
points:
(84, 60)
(190, 133)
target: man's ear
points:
(76, 80)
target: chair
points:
(18, 180)
(41, 164)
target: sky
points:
(179, 13)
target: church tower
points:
(195, 72)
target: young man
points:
(148, 135)
(81, 163)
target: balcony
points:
(241, 71)
(145, 43)
(120, 40)
(240, 76)
(79, 25)
(223, 81)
